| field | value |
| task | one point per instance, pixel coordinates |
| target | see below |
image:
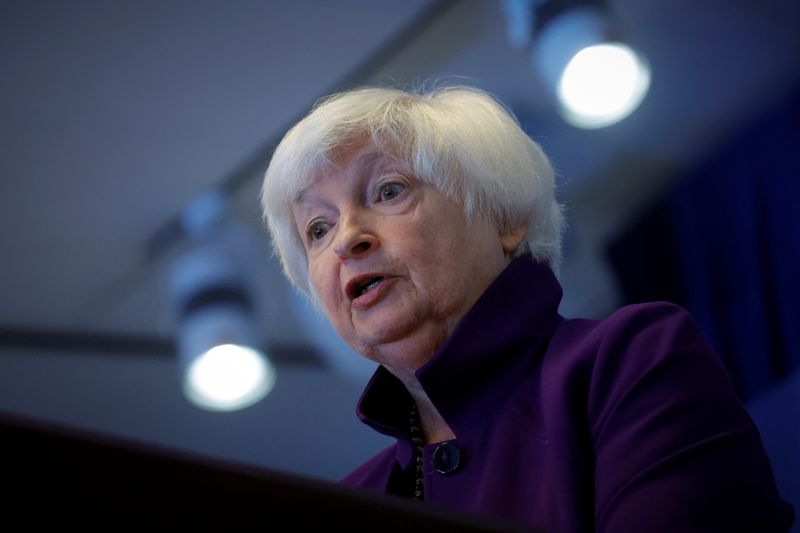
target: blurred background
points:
(133, 137)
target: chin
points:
(409, 345)
(386, 328)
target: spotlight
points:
(602, 84)
(222, 368)
(594, 77)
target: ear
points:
(512, 238)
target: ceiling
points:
(114, 117)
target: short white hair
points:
(459, 139)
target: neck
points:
(434, 426)
(409, 352)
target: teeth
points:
(371, 284)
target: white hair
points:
(459, 139)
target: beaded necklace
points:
(417, 441)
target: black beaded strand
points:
(416, 440)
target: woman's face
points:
(393, 261)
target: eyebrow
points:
(369, 159)
(365, 161)
(300, 197)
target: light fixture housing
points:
(222, 367)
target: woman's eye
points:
(390, 191)
(317, 230)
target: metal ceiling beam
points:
(125, 345)
(172, 231)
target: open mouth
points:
(366, 286)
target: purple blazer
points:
(619, 425)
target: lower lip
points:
(369, 298)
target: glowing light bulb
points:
(229, 377)
(602, 84)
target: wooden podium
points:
(61, 477)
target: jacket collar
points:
(489, 352)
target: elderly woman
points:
(425, 227)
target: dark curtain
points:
(725, 244)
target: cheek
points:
(433, 264)
(317, 277)
(326, 284)
(460, 253)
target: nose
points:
(353, 238)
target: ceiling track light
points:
(221, 367)
(592, 75)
